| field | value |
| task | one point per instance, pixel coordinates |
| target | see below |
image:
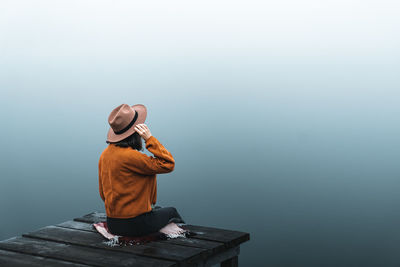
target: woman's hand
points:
(143, 131)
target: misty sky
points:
(282, 117)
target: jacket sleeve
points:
(162, 162)
(100, 184)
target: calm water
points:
(283, 121)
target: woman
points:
(127, 177)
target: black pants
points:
(145, 223)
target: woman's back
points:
(127, 178)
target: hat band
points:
(129, 125)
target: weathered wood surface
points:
(13, 259)
(228, 237)
(77, 254)
(77, 243)
(211, 246)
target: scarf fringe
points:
(176, 235)
(115, 240)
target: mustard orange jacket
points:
(127, 178)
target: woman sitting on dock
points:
(127, 177)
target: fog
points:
(282, 117)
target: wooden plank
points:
(212, 246)
(85, 226)
(227, 257)
(92, 217)
(157, 250)
(78, 254)
(229, 237)
(13, 259)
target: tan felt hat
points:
(123, 120)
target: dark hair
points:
(134, 141)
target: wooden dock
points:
(77, 243)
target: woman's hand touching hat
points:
(143, 131)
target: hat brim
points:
(142, 114)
